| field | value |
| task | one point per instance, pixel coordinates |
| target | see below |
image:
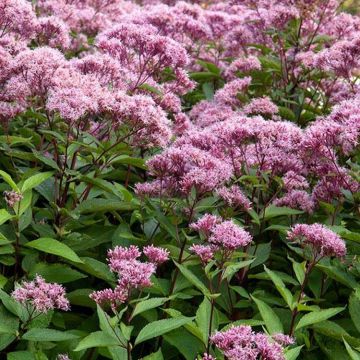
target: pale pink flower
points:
(233, 196)
(229, 236)
(41, 295)
(205, 253)
(319, 238)
(156, 255)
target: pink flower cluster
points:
(319, 238)
(41, 296)
(132, 273)
(241, 343)
(223, 236)
(12, 197)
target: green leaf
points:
(4, 216)
(161, 327)
(59, 273)
(55, 247)
(274, 211)
(147, 305)
(293, 354)
(193, 279)
(299, 270)
(272, 321)
(104, 205)
(354, 309)
(97, 339)
(203, 319)
(281, 288)
(354, 355)
(21, 355)
(339, 275)
(9, 180)
(234, 268)
(318, 316)
(48, 335)
(150, 88)
(154, 356)
(35, 180)
(333, 330)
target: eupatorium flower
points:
(156, 255)
(132, 273)
(204, 252)
(42, 296)
(319, 238)
(12, 197)
(233, 196)
(262, 106)
(241, 343)
(206, 223)
(229, 236)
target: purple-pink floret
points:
(322, 240)
(204, 252)
(229, 236)
(131, 272)
(41, 295)
(205, 224)
(241, 343)
(156, 255)
(233, 196)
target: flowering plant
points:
(180, 179)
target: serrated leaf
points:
(272, 321)
(354, 310)
(281, 288)
(4, 216)
(154, 356)
(147, 305)
(234, 268)
(274, 211)
(104, 205)
(354, 355)
(318, 316)
(7, 178)
(35, 180)
(189, 275)
(161, 327)
(55, 247)
(293, 354)
(48, 335)
(96, 339)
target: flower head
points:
(322, 240)
(12, 197)
(41, 295)
(229, 236)
(241, 343)
(156, 255)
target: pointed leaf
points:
(161, 327)
(318, 316)
(55, 247)
(272, 321)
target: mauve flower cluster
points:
(221, 141)
(242, 343)
(223, 236)
(321, 240)
(12, 197)
(122, 81)
(41, 296)
(132, 273)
